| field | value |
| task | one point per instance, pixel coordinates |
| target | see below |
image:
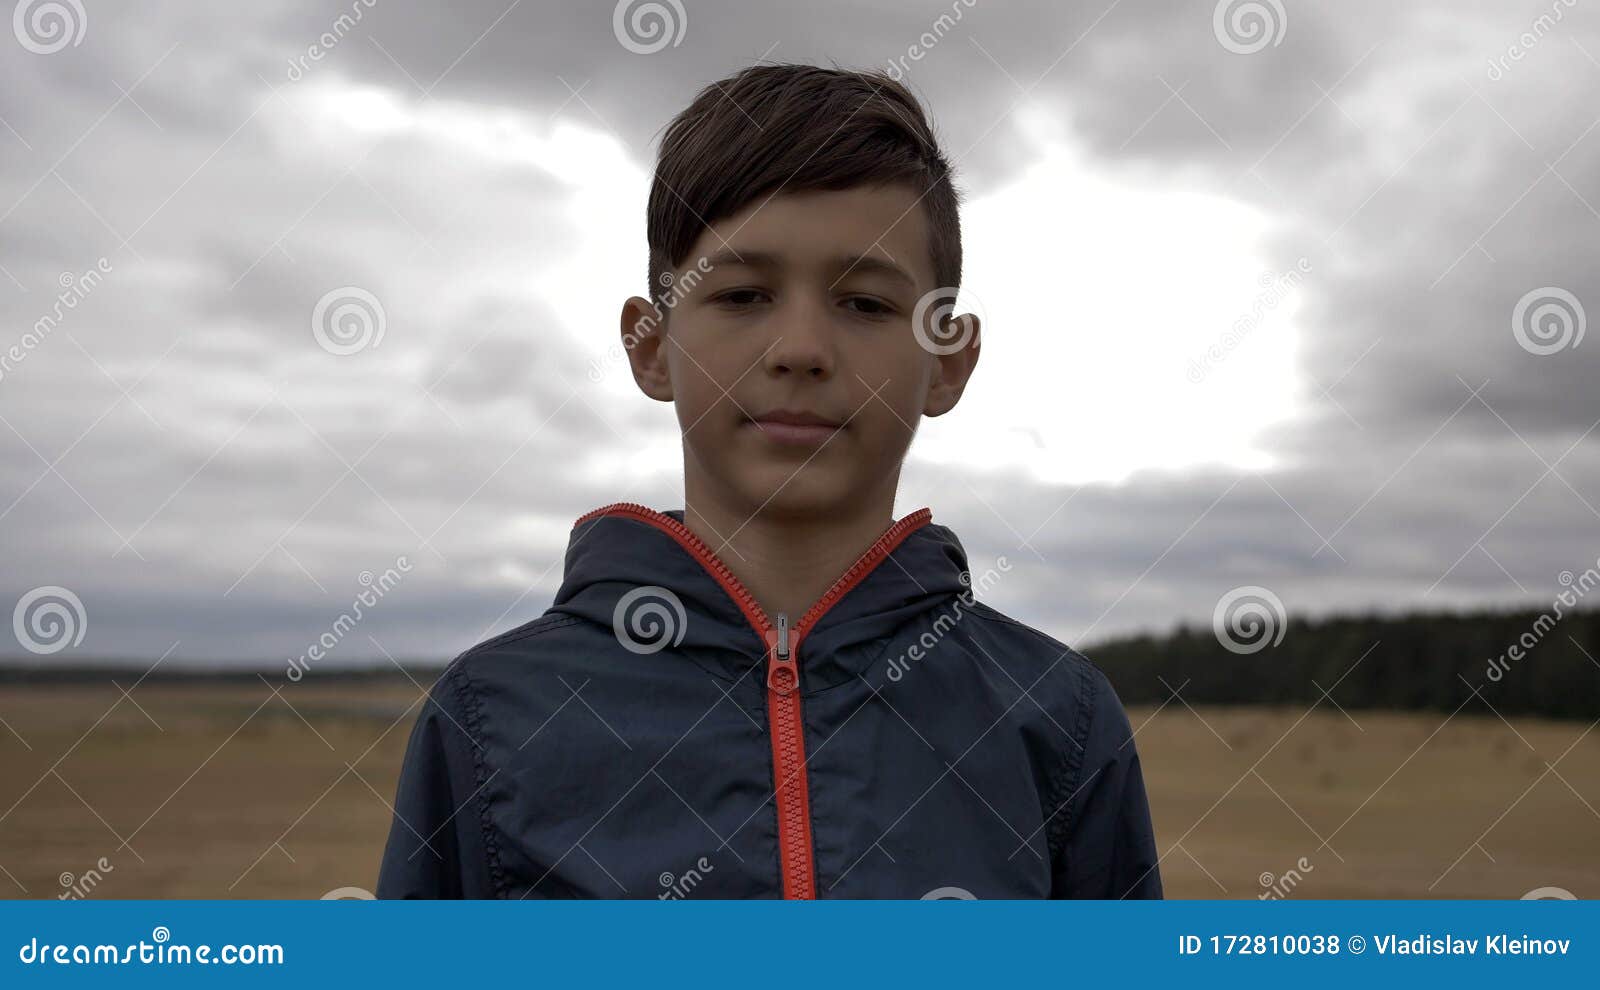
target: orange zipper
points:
(785, 725)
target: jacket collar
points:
(647, 577)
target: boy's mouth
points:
(792, 426)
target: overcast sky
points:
(1275, 294)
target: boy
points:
(779, 691)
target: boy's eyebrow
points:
(845, 264)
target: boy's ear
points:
(644, 342)
(952, 371)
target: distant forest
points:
(1523, 663)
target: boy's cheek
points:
(696, 384)
(693, 407)
(706, 374)
(890, 415)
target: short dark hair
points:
(795, 128)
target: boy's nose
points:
(804, 343)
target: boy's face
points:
(803, 304)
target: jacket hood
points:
(646, 576)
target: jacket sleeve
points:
(436, 846)
(1108, 849)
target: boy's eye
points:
(868, 306)
(739, 297)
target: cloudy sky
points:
(1276, 294)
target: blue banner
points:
(767, 944)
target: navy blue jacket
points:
(655, 734)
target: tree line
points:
(1522, 663)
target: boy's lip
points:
(794, 426)
(795, 417)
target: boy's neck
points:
(789, 562)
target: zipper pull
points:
(783, 673)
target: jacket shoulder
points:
(1090, 692)
(513, 637)
(1044, 649)
(521, 641)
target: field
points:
(222, 788)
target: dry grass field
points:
(221, 789)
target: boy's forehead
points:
(819, 228)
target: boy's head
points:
(805, 251)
